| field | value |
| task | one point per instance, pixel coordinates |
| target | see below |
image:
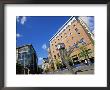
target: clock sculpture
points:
(63, 53)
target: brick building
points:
(74, 34)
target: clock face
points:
(58, 46)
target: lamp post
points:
(61, 48)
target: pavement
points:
(84, 69)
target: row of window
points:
(25, 55)
(82, 41)
(57, 55)
(69, 34)
(66, 41)
(65, 32)
(75, 46)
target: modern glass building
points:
(26, 60)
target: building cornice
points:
(64, 26)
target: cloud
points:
(44, 46)
(17, 18)
(40, 58)
(23, 20)
(89, 20)
(91, 23)
(18, 35)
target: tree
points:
(84, 52)
(58, 64)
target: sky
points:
(38, 30)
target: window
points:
(53, 51)
(58, 54)
(19, 56)
(22, 62)
(55, 56)
(82, 41)
(55, 45)
(75, 45)
(55, 42)
(78, 33)
(63, 30)
(52, 44)
(69, 29)
(76, 30)
(58, 39)
(61, 36)
(72, 38)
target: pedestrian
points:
(86, 62)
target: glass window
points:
(82, 41)
(75, 45)
(22, 62)
(19, 56)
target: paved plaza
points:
(78, 70)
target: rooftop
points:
(64, 26)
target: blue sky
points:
(37, 30)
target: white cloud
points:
(89, 20)
(23, 20)
(40, 58)
(18, 35)
(44, 46)
(17, 18)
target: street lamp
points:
(62, 51)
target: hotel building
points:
(74, 34)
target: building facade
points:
(74, 34)
(45, 65)
(26, 57)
